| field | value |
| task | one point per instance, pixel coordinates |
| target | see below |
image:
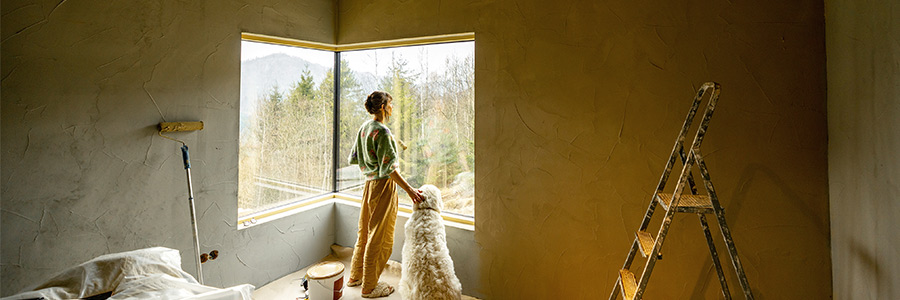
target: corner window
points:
(433, 87)
(287, 120)
(285, 125)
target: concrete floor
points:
(288, 287)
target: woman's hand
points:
(415, 195)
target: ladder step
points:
(645, 242)
(628, 284)
(688, 203)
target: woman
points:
(376, 154)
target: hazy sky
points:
(251, 50)
(375, 61)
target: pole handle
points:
(185, 157)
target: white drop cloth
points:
(151, 273)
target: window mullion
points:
(336, 134)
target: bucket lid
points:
(325, 269)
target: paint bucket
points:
(326, 281)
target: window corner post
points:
(336, 128)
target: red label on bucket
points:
(338, 288)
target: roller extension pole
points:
(187, 170)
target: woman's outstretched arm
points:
(414, 194)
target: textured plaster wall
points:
(461, 243)
(83, 173)
(577, 107)
(863, 46)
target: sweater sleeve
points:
(353, 159)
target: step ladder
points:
(681, 202)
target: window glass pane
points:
(286, 124)
(433, 87)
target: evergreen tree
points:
(290, 136)
(406, 120)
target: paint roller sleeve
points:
(180, 126)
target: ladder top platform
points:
(688, 203)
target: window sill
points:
(405, 210)
(450, 219)
(284, 211)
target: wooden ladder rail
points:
(723, 225)
(679, 146)
(635, 290)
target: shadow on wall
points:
(732, 213)
(865, 273)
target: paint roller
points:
(179, 127)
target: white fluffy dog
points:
(427, 271)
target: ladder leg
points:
(690, 179)
(654, 254)
(634, 247)
(732, 250)
(615, 290)
(726, 233)
(645, 276)
(709, 239)
(664, 228)
(715, 256)
(628, 260)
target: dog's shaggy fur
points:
(427, 271)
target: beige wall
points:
(863, 46)
(83, 87)
(577, 106)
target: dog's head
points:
(432, 200)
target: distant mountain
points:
(367, 82)
(260, 74)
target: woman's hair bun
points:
(375, 100)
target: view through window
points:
(285, 125)
(433, 87)
(287, 120)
